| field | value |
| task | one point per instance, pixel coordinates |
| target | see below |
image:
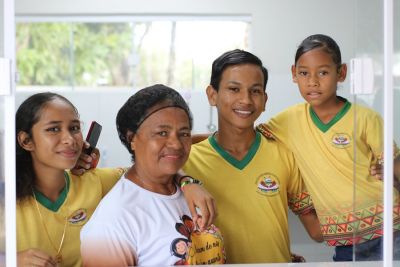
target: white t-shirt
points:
(133, 225)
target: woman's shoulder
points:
(111, 202)
(120, 203)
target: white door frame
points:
(8, 40)
(388, 88)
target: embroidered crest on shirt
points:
(78, 217)
(341, 140)
(197, 247)
(267, 184)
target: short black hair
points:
(234, 57)
(137, 108)
(320, 41)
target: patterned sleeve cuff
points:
(262, 128)
(301, 203)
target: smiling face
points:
(162, 143)
(317, 76)
(181, 247)
(240, 98)
(56, 140)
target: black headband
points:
(158, 109)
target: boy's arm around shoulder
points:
(265, 131)
(311, 224)
(278, 127)
(197, 197)
(302, 206)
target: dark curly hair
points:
(139, 106)
(28, 114)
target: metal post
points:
(388, 132)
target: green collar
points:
(53, 206)
(239, 164)
(325, 127)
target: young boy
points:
(335, 144)
(252, 178)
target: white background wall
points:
(278, 26)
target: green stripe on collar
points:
(54, 206)
(325, 127)
(239, 164)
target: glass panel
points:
(368, 190)
(2, 127)
(44, 53)
(126, 54)
(101, 54)
(369, 207)
(2, 179)
(396, 104)
(180, 52)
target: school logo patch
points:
(268, 184)
(78, 217)
(341, 140)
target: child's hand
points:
(376, 170)
(86, 162)
(297, 258)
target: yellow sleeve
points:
(299, 199)
(373, 133)
(108, 177)
(301, 203)
(277, 127)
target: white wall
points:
(278, 26)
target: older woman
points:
(144, 219)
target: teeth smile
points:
(244, 112)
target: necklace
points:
(58, 257)
(149, 186)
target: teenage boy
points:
(252, 178)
